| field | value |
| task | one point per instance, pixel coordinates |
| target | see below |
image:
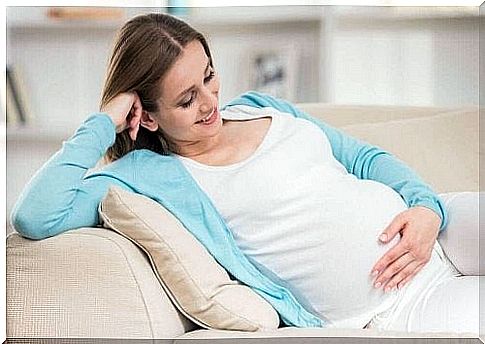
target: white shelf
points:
(25, 18)
(403, 13)
(234, 16)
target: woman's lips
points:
(210, 119)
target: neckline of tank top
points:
(236, 165)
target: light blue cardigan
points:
(62, 196)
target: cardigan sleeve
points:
(360, 158)
(61, 196)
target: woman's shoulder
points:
(258, 99)
(247, 112)
(254, 101)
(136, 160)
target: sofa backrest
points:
(440, 144)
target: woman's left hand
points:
(419, 227)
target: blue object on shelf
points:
(178, 7)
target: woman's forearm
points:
(57, 197)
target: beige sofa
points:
(94, 283)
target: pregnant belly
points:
(325, 248)
(349, 248)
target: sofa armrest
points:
(88, 282)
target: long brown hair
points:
(144, 50)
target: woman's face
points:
(189, 111)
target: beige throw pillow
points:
(198, 286)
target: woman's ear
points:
(148, 121)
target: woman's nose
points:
(207, 104)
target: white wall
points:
(63, 72)
(379, 59)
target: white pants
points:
(461, 238)
(440, 298)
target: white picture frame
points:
(274, 70)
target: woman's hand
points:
(125, 110)
(419, 227)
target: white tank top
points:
(303, 220)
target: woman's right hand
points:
(125, 110)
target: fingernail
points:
(383, 237)
(375, 273)
(377, 285)
(388, 289)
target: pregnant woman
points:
(302, 201)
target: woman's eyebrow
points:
(193, 86)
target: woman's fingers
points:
(134, 132)
(408, 270)
(419, 228)
(119, 109)
(390, 256)
(136, 113)
(398, 258)
(410, 276)
(394, 228)
(137, 106)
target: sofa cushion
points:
(442, 149)
(199, 287)
(339, 115)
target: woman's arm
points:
(361, 159)
(60, 196)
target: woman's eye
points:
(210, 76)
(191, 100)
(188, 103)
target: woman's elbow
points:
(27, 225)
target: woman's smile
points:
(211, 118)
